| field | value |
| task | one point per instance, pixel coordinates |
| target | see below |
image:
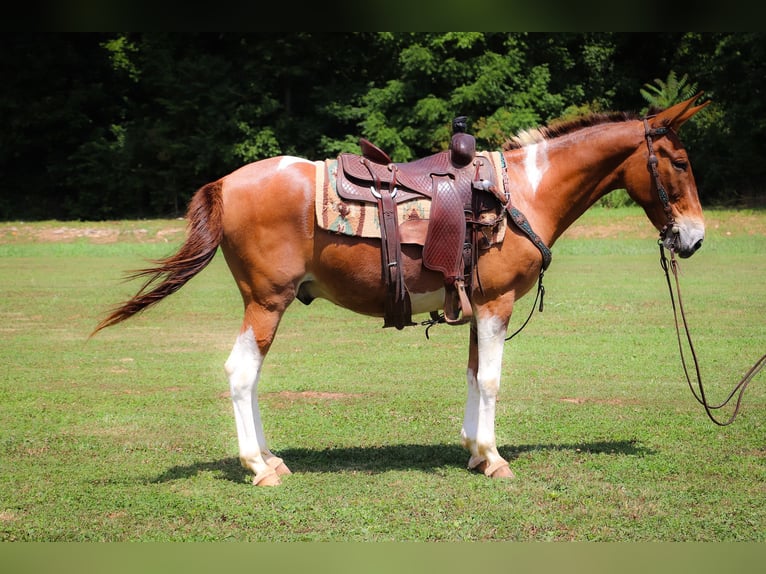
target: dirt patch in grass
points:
(154, 231)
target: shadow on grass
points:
(426, 458)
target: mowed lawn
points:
(130, 436)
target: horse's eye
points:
(680, 165)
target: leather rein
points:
(671, 265)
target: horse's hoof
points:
(268, 478)
(282, 469)
(499, 469)
(278, 465)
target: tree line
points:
(127, 125)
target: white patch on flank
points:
(535, 163)
(289, 160)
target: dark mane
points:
(559, 128)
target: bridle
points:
(671, 265)
(652, 161)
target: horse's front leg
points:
(485, 359)
(244, 369)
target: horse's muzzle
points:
(684, 238)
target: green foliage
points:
(729, 136)
(122, 52)
(255, 144)
(109, 125)
(664, 93)
(615, 199)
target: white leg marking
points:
(244, 368)
(479, 422)
(535, 164)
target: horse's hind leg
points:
(243, 368)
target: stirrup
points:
(464, 312)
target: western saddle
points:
(460, 184)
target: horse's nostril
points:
(698, 245)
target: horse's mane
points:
(559, 128)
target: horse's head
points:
(660, 179)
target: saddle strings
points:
(740, 387)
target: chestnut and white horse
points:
(263, 217)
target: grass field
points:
(130, 436)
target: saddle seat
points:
(357, 174)
(460, 184)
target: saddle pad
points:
(357, 219)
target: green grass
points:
(130, 436)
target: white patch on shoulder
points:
(535, 164)
(289, 160)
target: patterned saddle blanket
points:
(359, 218)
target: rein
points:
(671, 265)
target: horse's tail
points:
(204, 233)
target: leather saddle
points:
(460, 184)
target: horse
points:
(263, 218)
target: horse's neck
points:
(555, 181)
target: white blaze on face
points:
(535, 163)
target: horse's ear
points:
(676, 123)
(676, 115)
